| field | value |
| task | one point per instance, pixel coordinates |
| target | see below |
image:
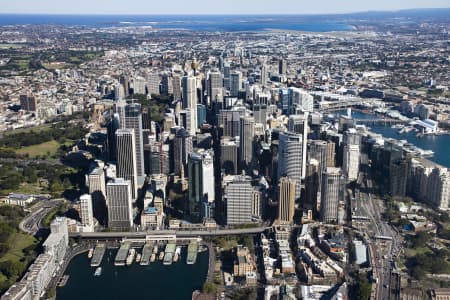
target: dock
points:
(122, 254)
(146, 254)
(169, 252)
(99, 252)
(192, 253)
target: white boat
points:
(130, 257)
(91, 253)
(161, 255)
(98, 271)
(155, 249)
(153, 257)
(177, 254)
(138, 257)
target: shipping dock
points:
(146, 254)
(122, 254)
(169, 252)
(192, 253)
(97, 257)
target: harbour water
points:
(155, 281)
(440, 144)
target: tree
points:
(209, 288)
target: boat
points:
(138, 257)
(161, 255)
(90, 253)
(130, 257)
(153, 257)
(155, 249)
(169, 252)
(177, 254)
(98, 271)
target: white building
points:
(351, 161)
(86, 213)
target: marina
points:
(98, 254)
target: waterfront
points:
(440, 144)
(155, 281)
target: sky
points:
(181, 7)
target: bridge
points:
(387, 121)
(165, 234)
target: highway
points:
(178, 233)
(32, 222)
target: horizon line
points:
(222, 14)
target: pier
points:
(122, 254)
(192, 253)
(99, 252)
(147, 252)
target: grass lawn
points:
(17, 243)
(30, 188)
(47, 148)
(414, 251)
(43, 127)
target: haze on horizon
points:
(184, 7)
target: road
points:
(32, 222)
(178, 233)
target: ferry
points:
(192, 253)
(90, 253)
(153, 258)
(98, 271)
(177, 254)
(161, 255)
(138, 257)
(130, 257)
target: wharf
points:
(99, 252)
(122, 254)
(192, 253)
(146, 254)
(169, 252)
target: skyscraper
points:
(247, 132)
(260, 107)
(235, 83)
(351, 155)
(238, 197)
(264, 74)
(282, 66)
(299, 124)
(229, 155)
(133, 120)
(182, 146)
(176, 86)
(189, 84)
(215, 85)
(120, 213)
(126, 158)
(333, 184)
(86, 213)
(286, 200)
(291, 161)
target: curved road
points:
(32, 222)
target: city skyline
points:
(233, 7)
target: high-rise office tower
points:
(247, 133)
(146, 118)
(126, 158)
(312, 184)
(87, 212)
(333, 185)
(229, 155)
(165, 79)
(176, 86)
(318, 151)
(286, 200)
(133, 120)
(299, 124)
(96, 181)
(331, 154)
(120, 213)
(351, 156)
(226, 75)
(264, 74)
(235, 83)
(291, 161)
(201, 115)
(283, 100)
(189, 85)
(282, 66)
(182, 146)
(439, 188)
(258, 202)
(126, 86)
(28, 103)
(113, 125)
(300, 101)
(215, 85)
(153, 84)
(260, 107)
(229, 121)
(201, 181)
(238, 198)
(139, 86)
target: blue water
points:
(204, 23)
(440, 144)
